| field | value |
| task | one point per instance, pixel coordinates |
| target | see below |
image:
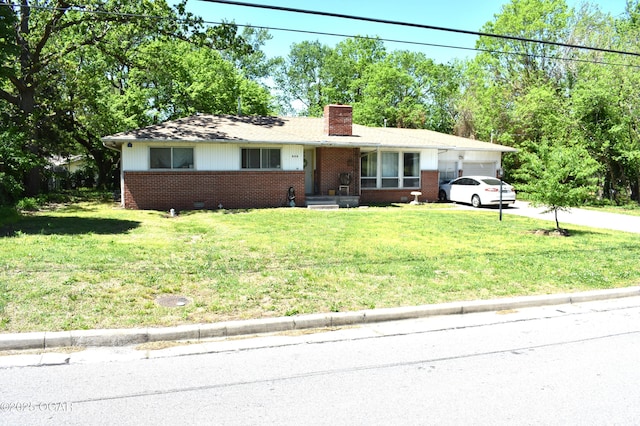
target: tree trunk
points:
(635, 189)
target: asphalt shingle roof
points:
(293, 130)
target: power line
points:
(421, 26)
(78, 8)
(420, 43)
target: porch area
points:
(332, 201)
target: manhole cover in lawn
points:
(172, 301)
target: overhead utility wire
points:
(422, 43)
(413, 25)
(417, 43)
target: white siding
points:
(428, 159)
(483, 157)
(474, 156)
(218, 157)
(292, 157)
(136, 157)
(470, 162)
(209, 156)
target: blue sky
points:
(459, 14)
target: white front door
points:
(308, 171)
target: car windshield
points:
(491, 181)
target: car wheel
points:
(442, 195)
(475, 201)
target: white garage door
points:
(479, 169)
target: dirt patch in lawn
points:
(552, 232)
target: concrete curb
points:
(201, 332)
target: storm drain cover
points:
(172, 301)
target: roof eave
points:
(116, 144)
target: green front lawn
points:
(94, 265)
(630, 209)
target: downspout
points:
(113, 148)
(378, 168)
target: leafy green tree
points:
(174, 79)
(430, 99)
(558, 176)
(252, 61)
(301, 77)
(384, 88)
(346, 67)
(14, 163)
(399, 89)
(605, 101)
(520, 94)
(507, 69)
(69, 61)
(45, 36)
(526, 63)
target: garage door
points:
(479, 169)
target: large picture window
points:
(171, 158)
(411, 172)
(390, 169)
(369, 169)
(261, 158)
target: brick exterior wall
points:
(234, 190)
(338, 120)
(330, 162)
(429, 187)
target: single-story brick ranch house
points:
(211, 161)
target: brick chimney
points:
(338, 120)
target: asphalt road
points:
(583, 217)
(566, 364)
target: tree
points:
(384, 89)
(527, 95)
(507, 69)
(302, 77)
(399, 89)
(171, 79)
(252, 62)
(558, 177)
(55, 48)
(526, 63)
(14, 163)
(346, 67)
(45, 37)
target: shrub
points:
(28, 204)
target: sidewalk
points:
(204, 332)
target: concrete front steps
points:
(331, 202)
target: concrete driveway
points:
(583, 217)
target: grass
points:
(93, 265)
(628, 209)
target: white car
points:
(477, 191)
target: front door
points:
(308, 171)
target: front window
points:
(411, 170)
(390, 169)
(261, 158)
(171, 158)
(369, 169)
